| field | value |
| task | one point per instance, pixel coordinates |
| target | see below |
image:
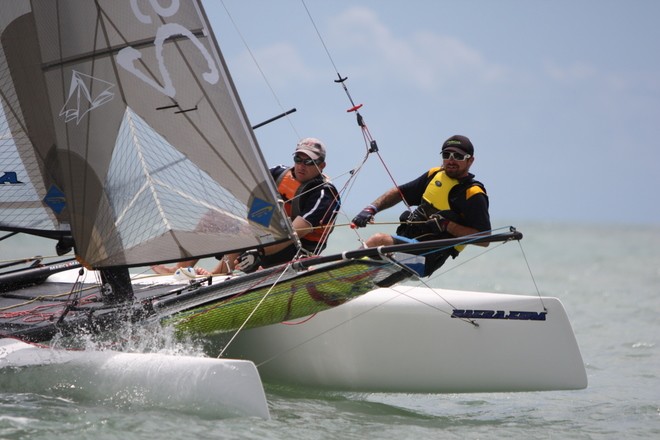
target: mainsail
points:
(129, 111)
(30, 199)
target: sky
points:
(560, 98)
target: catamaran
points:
(124, 140)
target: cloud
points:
(424, 59)
(365, 47)
(577, 72)
(281, 63)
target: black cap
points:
(459, 144)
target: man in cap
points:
(450, 203)
(310, 200)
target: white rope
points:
(253, 311)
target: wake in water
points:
(132, 338)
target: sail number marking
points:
(128, 56)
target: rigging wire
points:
(370, 142)
(373, 148)
(261, 72)
(351, 173)
(372, 145)
(531, 274)
(254, 310)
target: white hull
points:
(403, 339)
(222, 388)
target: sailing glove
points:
(249, 261)
(436, 224)
(365, 216)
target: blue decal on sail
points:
(10, 178)
(55, 199)
(261, 212)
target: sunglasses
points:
(308, 162)
(446, 155)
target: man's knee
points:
(379, 239)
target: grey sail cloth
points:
(26, 131)
(136, 132)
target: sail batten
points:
(154, 157)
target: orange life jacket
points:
(291, 191)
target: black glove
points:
(436, 224)
(365, 216)
(249, 261)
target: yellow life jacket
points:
(437, 191)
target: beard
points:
(455, 172)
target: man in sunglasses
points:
(449, 203)
(310, 201)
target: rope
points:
(36, 314)
(240, 329)
(343, 192)
(370, 143)
(538, 292)
(17, 261)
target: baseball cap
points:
(459, 144)
(312, 147)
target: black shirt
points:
(318, 206)
(472, 211)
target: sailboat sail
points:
(155, 157)
(30, 199)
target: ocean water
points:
(607, 277)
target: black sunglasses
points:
(308, 162)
